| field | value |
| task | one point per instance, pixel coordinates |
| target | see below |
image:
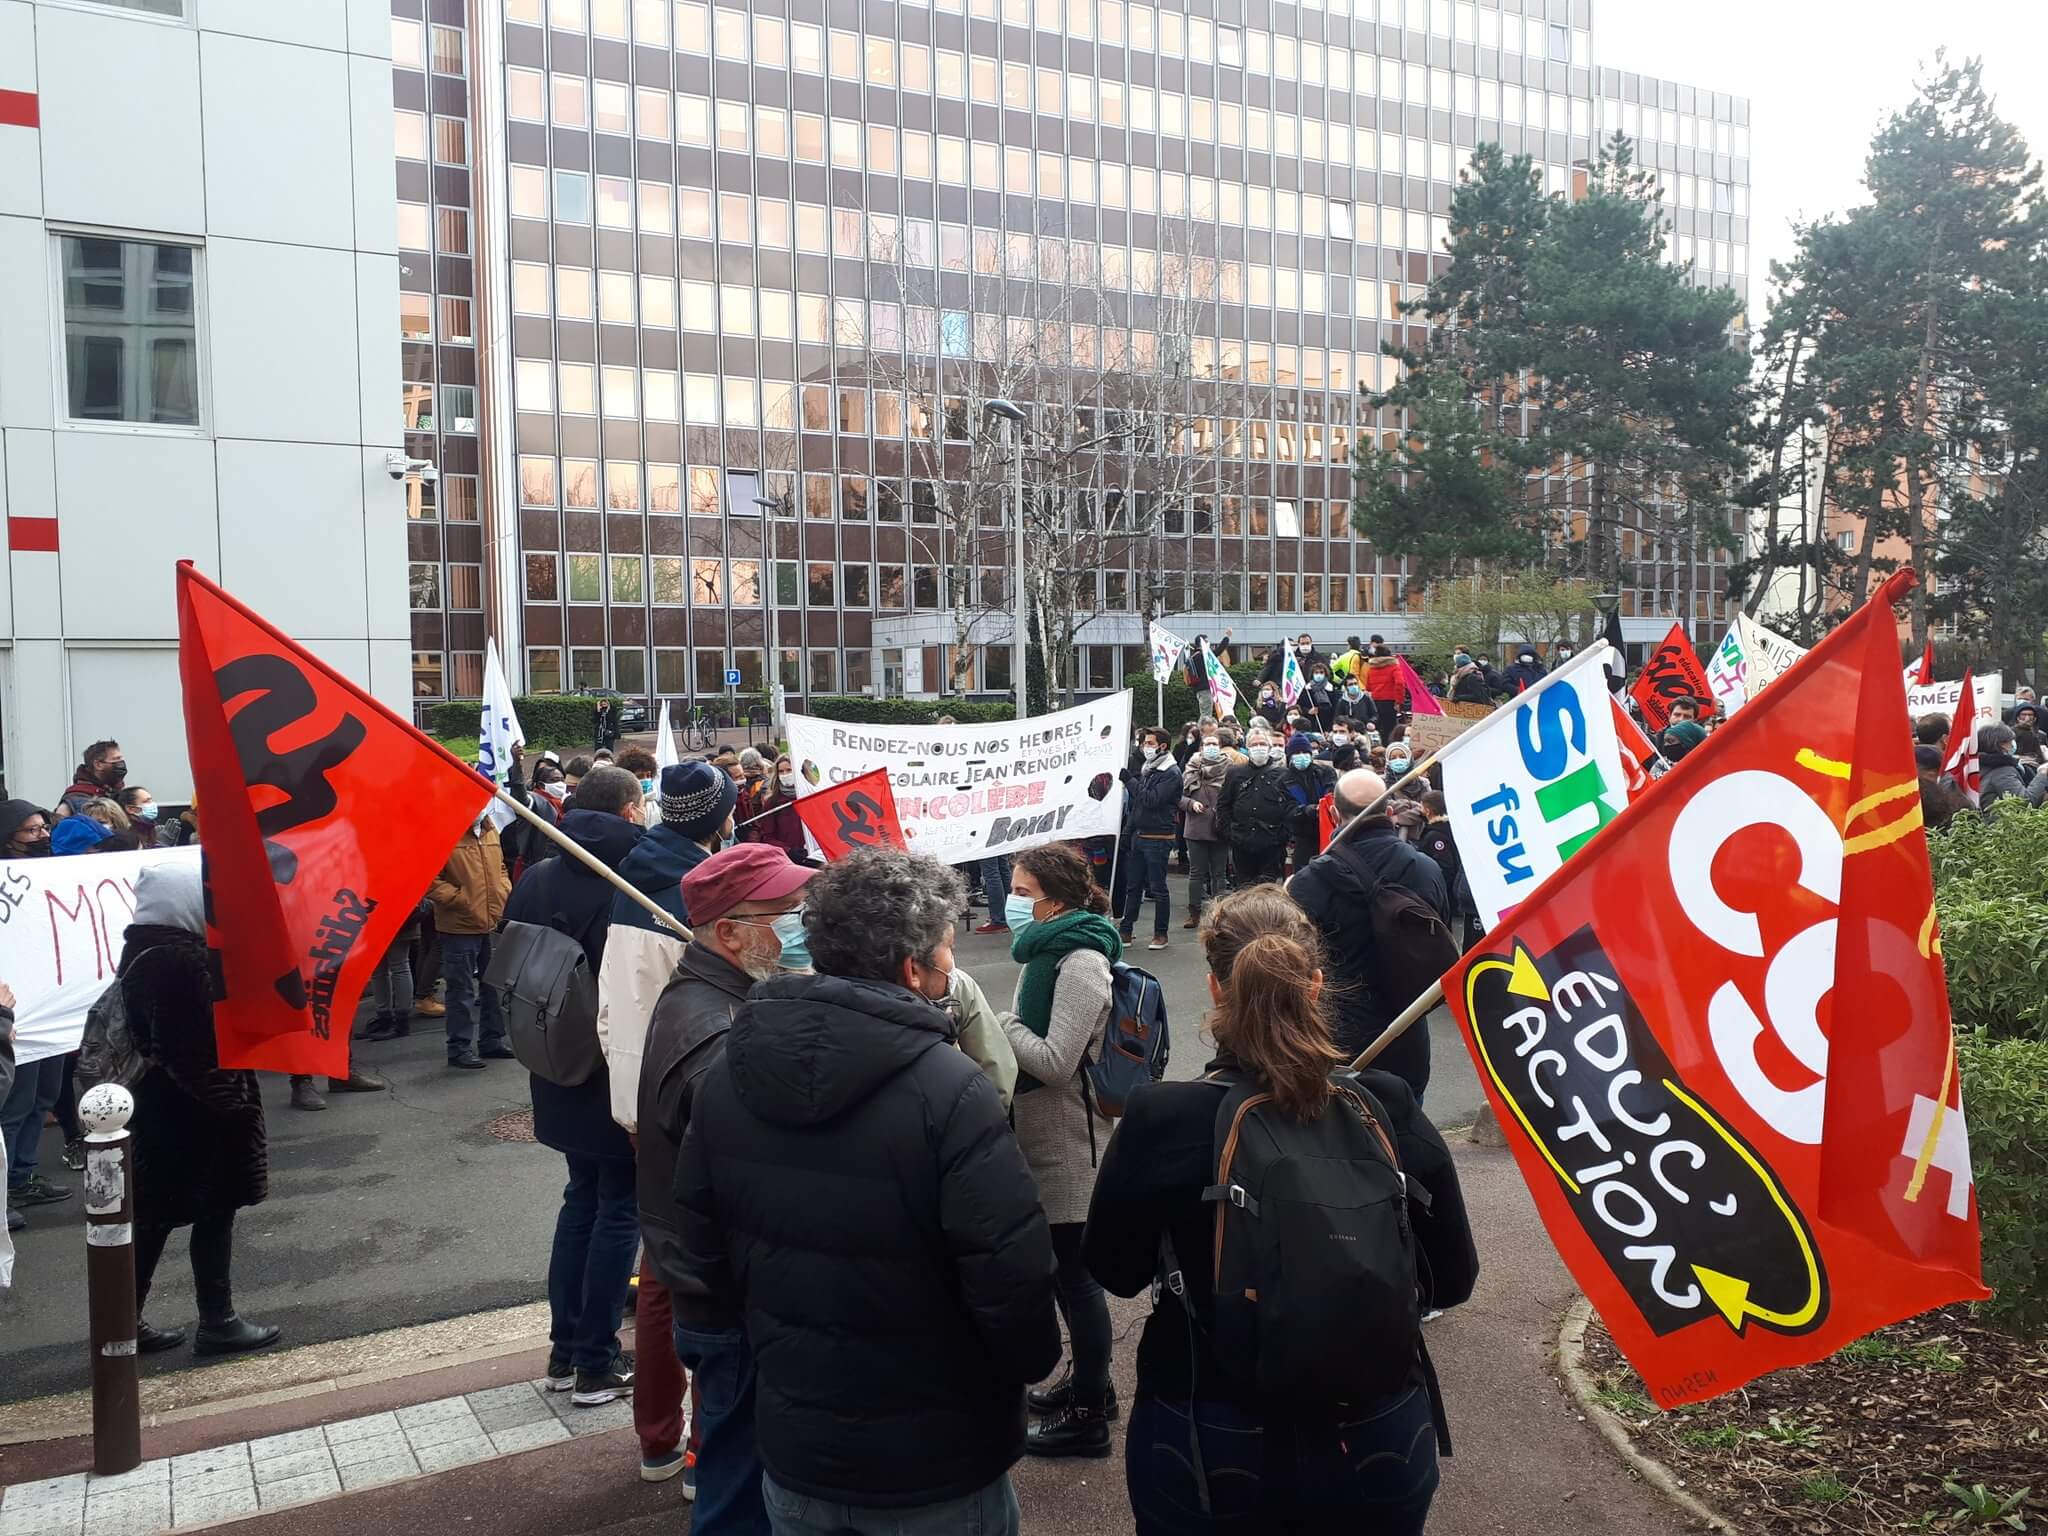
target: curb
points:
(1571, 1353)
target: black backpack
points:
(1412, 944)
(548, 995)
(1317, 1294)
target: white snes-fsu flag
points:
(497, 734)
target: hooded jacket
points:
(560, 893)
(1335, 889)
(2000, 777)
(849, 1183)
(1526, 672)
(640, 957)
(1383, 679)
(1154, 796)
(469, 893)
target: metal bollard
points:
(110, 1279)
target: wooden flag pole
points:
(577, 851)
(1399, 1027)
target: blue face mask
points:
(647, 786)
(1301, 759)
(146, 812)
(1017, 911)
(796, 944)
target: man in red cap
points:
(746, 915)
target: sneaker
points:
(561, 1376)
(1158, 941)
(597, 1387)
(1192, 922)
(690, 1476)
(1046, 1400)
(1128, 938)
(992, 928)
(355, 1082)
(74, 1154)
(429, 1007)
(36, 1190)
(1073, 1431)
(305, 1095)
(659, 1469)
(469, 1061)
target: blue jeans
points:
(1145, 875)
(995, 885)
(597, 1236)
(728, 1460)
(1371, 1473)
(35, 1091)
(991, 1511)
(463, 959)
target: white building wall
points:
(261, 131)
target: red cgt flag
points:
(1672, 672)
(1719, 1041)
(1637, 750)
(861, 813)
(309, 874)
(1959, 753)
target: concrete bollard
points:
(110, 1279)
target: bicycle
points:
(697, 733)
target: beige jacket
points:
(469, 893)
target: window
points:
(408, 46)
(541, 584)
(425, 584)
(131, 337)
(448, 57)
(584, 578)
(572, 197)
(458, 407)
(410, 130)
(451, 141)
(544, 669)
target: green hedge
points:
(859, 709)
(1180, 698)
(2005, 1089)
(553, 718)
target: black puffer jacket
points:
(1154, 798)
(1336, 889)
(849, 1180)
(561, 893)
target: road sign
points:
(732, 677)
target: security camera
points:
(395, 465)
(398, 466)
(429, 474)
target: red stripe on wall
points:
(18, 109)
(32, 535)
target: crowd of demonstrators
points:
(767, 810)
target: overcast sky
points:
(1820, 76)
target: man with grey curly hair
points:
(849, 1186)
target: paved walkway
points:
(526, 1462)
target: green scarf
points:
(1040, 947)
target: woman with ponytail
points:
(1202, 1453)
(1066, 946)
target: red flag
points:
(1959, 755)
(1637, 751)
(312, 866)
(1927, 666)
(1420, 700)
(861, 813)
(1719, 1041)
(1326, 821)
(1672, 672)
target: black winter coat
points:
(1523, 674)
(1305, 788)
(850, 1181)
(199, 1144)
(1336, 889)
(560, 893)
(1151, 1181)
(1154, 798)
(685, 1040)
(1254, 811)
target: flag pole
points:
(1399, 1027)
(578, 851)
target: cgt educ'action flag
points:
(861, 813)
(1672, 672)
(1719, 1043)
(311, 866)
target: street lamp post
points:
(774, 507)
(1013, 415)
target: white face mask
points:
(1150, 751)
(1259, 754)
(1339, 738)
(788, 780)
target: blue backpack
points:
(1135, 1043)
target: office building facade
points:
(198, 263)
(702, 303)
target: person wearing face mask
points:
(1319, 701)
(1152, 800)
(101, 772)
(1472, 680)
(597, 1230)
(1560, 654)
(1342, 751)
(24, 831)
(1269, 707)
(767, 811)
(1306, 782)
(849, 1190)
(1201, 788)
(1254, 813)
(746, 917)
(1066, 947)
(468, 897)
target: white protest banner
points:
(664, 746)
(1166, 650)
(1728, 670)
(1942, 698)
(1222, 688)
(965, 792)
(62, 922)
(497, 734)
(1530, 784)
(1768, 654)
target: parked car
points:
(632, 712)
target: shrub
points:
(555, 718)
(1180, 698)
(1996, 951)
(2005, 1091)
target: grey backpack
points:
(107, 1052)
(548, 996)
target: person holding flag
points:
(1222, 689)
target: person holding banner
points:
(1066, 947)
(1204, 1453)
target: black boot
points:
(232, 1336)
(1076, 1430)
(151, 1341)
(1045, 1400)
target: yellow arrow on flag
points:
(1524, 980)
